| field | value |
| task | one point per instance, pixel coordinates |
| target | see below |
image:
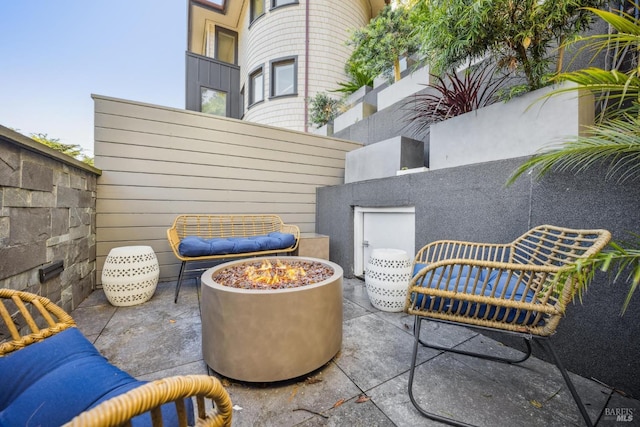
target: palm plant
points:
(357, 79)
(614, 141)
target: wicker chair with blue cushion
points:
(195, 238)
(52, 375)
(520, 288)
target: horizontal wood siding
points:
(160, 162)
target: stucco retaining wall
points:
(472, 203)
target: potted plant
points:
(379, 46)
(323, 109)
(452, 95)
(518, 34)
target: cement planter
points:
(412, 83)
(517, 128)
(326, 130)
(353, 115)
(357, 96)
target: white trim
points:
(358, 231)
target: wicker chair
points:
(521, 288)
(30, 319)
(225, 227)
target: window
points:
(217, 5)
(213, 101)
(257, 9)
(256, 86)
(226, 45)
(284, 80)
(278, 3)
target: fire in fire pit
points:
(277, 275)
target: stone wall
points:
(47, 214)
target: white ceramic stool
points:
(130, 275)
(387, 278)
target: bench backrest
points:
(550, 245)
(212, 226)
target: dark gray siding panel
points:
(211, 73)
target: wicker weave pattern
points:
(25, 311)
(534, 261)
(224, 226)
(18, 311)
(149, 397)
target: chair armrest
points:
(450, 249)
(18, 308)
(548, 295)
(174, 242)
(292, 229)
(151, 396)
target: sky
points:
(54, 54)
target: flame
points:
(269, 275)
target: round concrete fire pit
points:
(258, 335)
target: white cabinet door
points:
(382, 228)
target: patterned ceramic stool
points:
(130, 275)
(387, 278)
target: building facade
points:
(260, 60)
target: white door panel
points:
(382, 228)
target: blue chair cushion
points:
(50, 382)
(467, 277)
(194, 246)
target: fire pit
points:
(262, 332)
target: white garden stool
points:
(130, 275)
(387, 278)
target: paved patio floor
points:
(366, 382)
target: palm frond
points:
(621, 21)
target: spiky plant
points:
(453, 95)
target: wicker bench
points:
(52, 375)
(521, 288)
(228, 236)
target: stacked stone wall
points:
(47, 214)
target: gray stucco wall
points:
(471, 203)
(47, 214)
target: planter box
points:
(326, 130)
(353, 115)
(517, 128)
(357, 96)
(414, 82)
(383, 159)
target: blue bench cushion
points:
(50, 382)
(193, 246)
(448, 276)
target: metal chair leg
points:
(583, 411)
(414, 356)
(179, 281)
(527, 342)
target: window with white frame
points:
(284, 79)
(256, 86)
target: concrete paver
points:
(366, 383)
